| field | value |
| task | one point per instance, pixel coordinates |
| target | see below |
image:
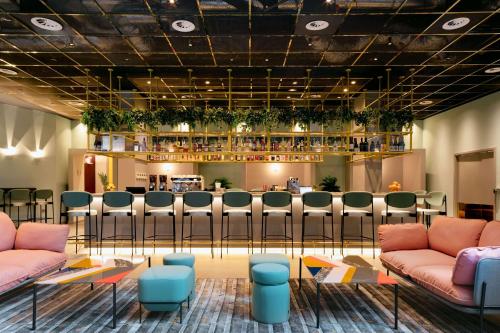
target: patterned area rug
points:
(224, 306)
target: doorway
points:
(89, 173)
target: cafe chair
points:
(400, 204)
(421, 199)
(279, 204)
(76, 204)
(236, 203)
(119, 204)
(18, 198)
(197, 203)
(437, 200)
(43, 199)
(2, 200)
(317, 204)
(357, 204)
(158, 204)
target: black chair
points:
(400, 204)
(237, 203)
(18, 198)
(319, 204)
(197, 203)
(276, 204)
(43, 199)
(158, 204)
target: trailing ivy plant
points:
(255, 117)
(167, 116)
(366, 118)
(304, 117)
(101, 119)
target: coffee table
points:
(91, 270)
(349, 270)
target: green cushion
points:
(182, 259)
(266, 258)
(270, 274)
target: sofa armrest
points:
(394, 237)
(41, 236)
(487, 282)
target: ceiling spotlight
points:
(328, 1)
(266, 59)
(345, 89)
(353, 82)
(492, 70)
(190, 44)
(310, 44)
(456, 23)
(338, 97)
(315, 96)
(231, 59)
(375, 59)
(294, 82)
(288, 97)
(389, 42)
(126, 59)
(292, 89)
(8, 71)
(210, 90)
(149, 82)
(425, 102)
(183, 26)
(172, 2)
(207, 82)
(46, 24)
(164, 96)
(317, 25)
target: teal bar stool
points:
(318, 204)
(158, 204)
(43, 199)
(436, 200)
(76, 204)
(237, 203)
(420, 200)
(357, 204)
(276, 204)
(119, 204)
(197, 203)
(400, 204)
(18, 198)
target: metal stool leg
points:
(222, 234)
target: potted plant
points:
(107, 186)
(329, 184)
(101, 119)
(366, 118)
(224, 182)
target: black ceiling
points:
(446, 67)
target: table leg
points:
(317, 304)
(114, 305)
(396, 289)
(33, 325)
(300, 273)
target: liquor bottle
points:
(351, 144)
(377, 146)
(372, 146)
(335, 146)
(401, 144)
(356, 147)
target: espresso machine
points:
(153, 180)
(163, 183)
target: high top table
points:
(351, 270)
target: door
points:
(89, 173)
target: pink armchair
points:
(31, 251)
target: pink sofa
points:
(454, 260)
(29, 252)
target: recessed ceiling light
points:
(317, 25)
(338, 97)
(292, 89)
(345, 89)
(492, 70)
(315, 96)
(149, 82)
(183, 96)
(267, 59)
(231, 59)
(375, 59)
(310, 44)
(183, 26)
(207, 82)
(172, 2)
(353, 82)
(294, 82)
(210, 90)
(456, 23)
(126, 59)
(190, 44)
(164, 96)
(288, 97)
(8, 71)
(328, 1)
(425, 102)
(46, 24)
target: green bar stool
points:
(43, 198)
(421, 200)
(118, 204)
(436, 199)
(358, 204)
(317, 204)
(18, 198)
(2, 200)
(276, 204)
(236, 203)
(400, 204)
(75, 204)
(197, 203)
(158, 204)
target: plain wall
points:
(469, 127)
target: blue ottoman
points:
(270, 293)
(182, 259)
(165, 288)
(267, 258)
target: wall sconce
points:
(9, 151)
(275, 167)
(37, 153)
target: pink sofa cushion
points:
(11, 276)
(404, 262)
(491, 234)
(8, 234)
(402, 237)
(42, 236)
(467, 259)
(34, 262)
(437, 279)
(450, 235)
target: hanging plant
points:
(147, 118)
(388, 121)
(101, 119)
(221, 116)
(304, 117)
(404, 119)
(255, 117)
(284, 116)
(345, 114)
(367, 118)
(191, 115)
(170, 117)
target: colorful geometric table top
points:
(95, 269)
(351, 269)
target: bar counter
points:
(238, 226)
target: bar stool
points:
(18, 198)
(77, 204)
(197, 203)
(318, 204)
(158, 204)
(236, 203)
(121, 204)
(43, 198)
(276, 204)
(400, 204)
(2, 200)
(357, 204)
(421, 200)
(436, 199)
